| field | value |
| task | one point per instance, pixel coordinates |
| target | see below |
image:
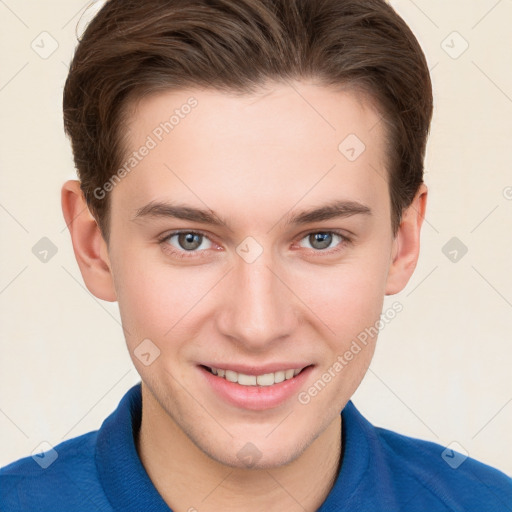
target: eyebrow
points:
(332, 210)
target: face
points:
(257, 287)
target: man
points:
(250, 191)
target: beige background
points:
(442, 370)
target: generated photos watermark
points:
(152, 140)
(355, 348)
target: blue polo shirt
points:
(381, 471)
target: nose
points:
(258, 306)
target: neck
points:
(189, 480)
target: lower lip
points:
(256, 398)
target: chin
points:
(260, 454)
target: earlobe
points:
(89, 246)
(406, 245)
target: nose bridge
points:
(258, 305)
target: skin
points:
(253, 160)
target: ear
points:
(91, 251)
(406, 245)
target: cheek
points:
(350, 304)
(155, 299)
(347, 297)
(139, 293)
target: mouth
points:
(255, 380)
(256, 388)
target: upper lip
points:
(250, 369)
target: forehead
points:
(306, 112)
(283, 143)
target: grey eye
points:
(188, 241)
(321, 239)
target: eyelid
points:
(344, 237)
(163, 238)
(347, 239)
(347, 235)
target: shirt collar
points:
(121, 473)
(129, 488)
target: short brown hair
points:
(134, 47)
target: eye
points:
(189, 244)
(322, 240)
(186, 242)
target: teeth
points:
(267, 379)
(231, 376)
(278, 377)
(246, 380)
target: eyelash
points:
(192, 254)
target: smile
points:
(266, 379)
(256, 388)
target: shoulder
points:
(457, 480)
(388, 471)
(66, 453)
(63, 477)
